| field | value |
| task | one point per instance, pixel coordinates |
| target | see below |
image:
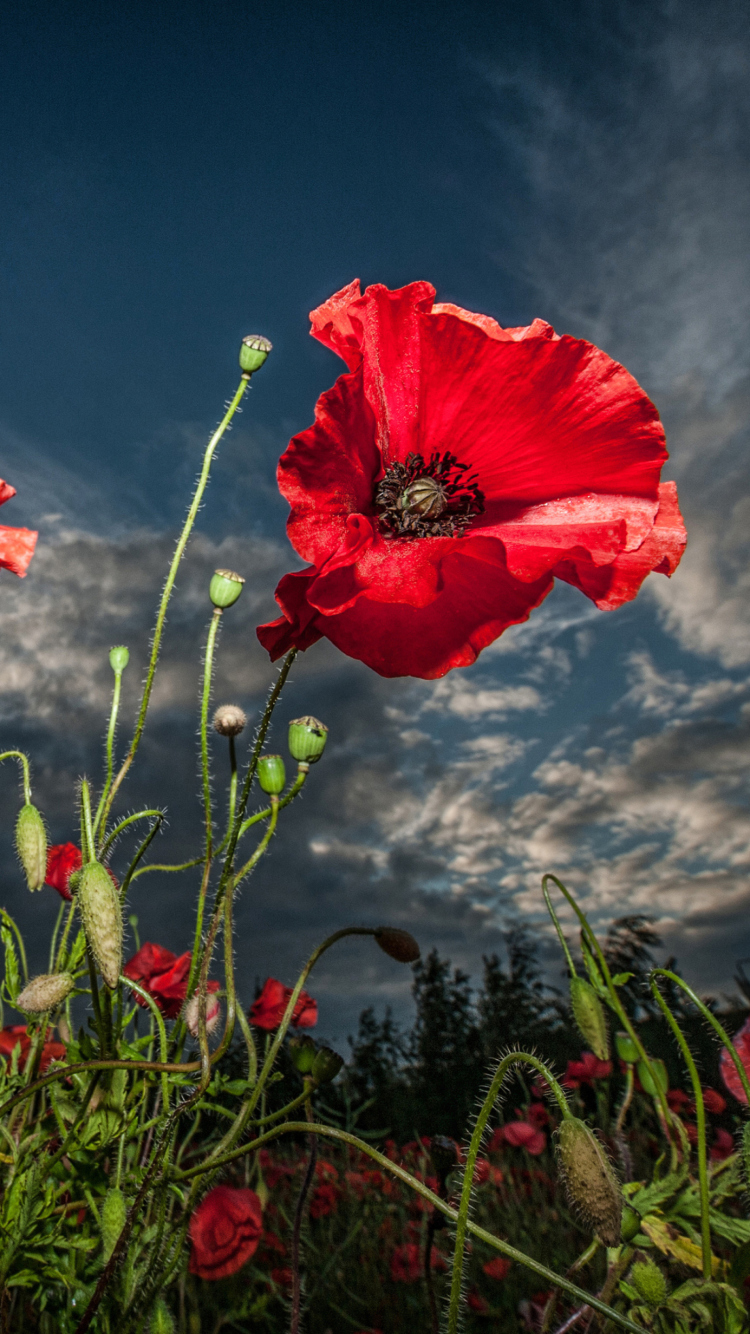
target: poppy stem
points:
(18, 755)
(297, 1229)
(110, 746)
(208, 664)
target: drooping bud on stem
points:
(588, 1013)
(31, 845)
(101, 913)
(307, 739)
(302, 1053)
(253, 352)
(213, 1014)
(45, 992)
(119, 658)
(113, 1215)
(225, 588)
(589, 1177)
(397, 944)
(230, 720)
(271, 774)
(326, 1065)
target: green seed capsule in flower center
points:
(425, 497)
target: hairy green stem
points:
(88, 851)
(122, 826)
(156, 1012)
(19, 755)
(131, 872)
(713, 1021)
(208, 666)
(110, 747)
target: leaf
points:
(671, 1242)
(12, 973)
(620, 979)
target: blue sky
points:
(177, 176)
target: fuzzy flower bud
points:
(397, 944)
(225, 588)
(113, 1215)
(31, 845)
(302, 1053)
(45, 992)
(119, 658)
(230, 720)
(99, 904)
(631, 1224)
(254, 351)
(271, 774)
(307, 739)
(326, 1065)
(649, 1282)
(162, 1320)
(588, 1013)
(589, 1177)
(213, 1014)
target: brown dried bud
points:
(399, 945)
(99, 904)
(230, 720)
(589, 1177)
(45, 992)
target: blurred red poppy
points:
(164, 976)
(586, 1070)
(324, 1201)
(224, 1232)
(678, 1100)
(17, 1036)
(497, 1268)
(729, 1074)
(453, 473)
(722, 1146)
(16, 544)
(523, 1135)
(713, 1102)
(269, 1008)
(477, 1303)
(407, 1262)
(63, 859)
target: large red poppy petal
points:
(16, 549)
(478, 601)
(329, 471)
(537, 328)
(6, 491)
(609, 586)
(332, 324)
(386, 570)
(537, 419)
(296, 628)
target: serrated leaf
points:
(671, 1242)
(620, 979)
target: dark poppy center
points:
(436, 498)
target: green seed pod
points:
(45, 992)
(326, 1065)
(225, 588)
(588, 1013)
(626, 1048)
(99, 904)
(631, 1224)
(307, 739)
(119, 658)
(397, 944)
(590, 1179)
(162, 1320)
(271, 774)
(647, 1083)
(31, 845)
(302, 1053)
(254, 351)
(113, 1215)
(649, 1283)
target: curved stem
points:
(169, 585)
(513, 1058)
(208, 666)
(18, 755)
(283, 801)
(156, 1012)
(65, 934)
(110, 747)
(158, 866)
(130, 819)
(252, 862)
(713, 1021)
(131, 872)
(497, 1243)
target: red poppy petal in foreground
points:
(16, 544)
(453, 473)
(62, 860)
(268, 1010)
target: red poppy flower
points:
(723, 1146)
(523, 1135)
(678, 1100)
(17, 1036)
(497, 1268)
(713, 1102)
(476, 1303)
(164, 976)
(269, 1008)
(16, 544)
(586, 1070)
(224, 1232)
(453, 473)
(324, 1201)
(62, 860)
(407, 1262)
(729, 1074)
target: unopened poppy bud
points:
(589, 1177)
(302, 1053)
(326, 1065)
(230, 720)
(119, 658)
(162, 1320)
(626, 1048)
(588, 1013)
(271, 774)
(631, 1224)
(307, 739)
(397, 944)
(113, 1216)
(225, 588)
(74, 881)
(647, 1083)
(45, 992)
(649, 1282)
(31, 845)
(99, 904)
(213, 1014)
(254, 351)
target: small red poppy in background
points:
(16, 544)
(63, 859)
(17, 1036)
(476, 1303)
(722, 1146)
(164, 976)
(453, 474)
(678, 1100)
(713, 1102)
(269, 1008)
(407, 1262)
(727, 1067)
(324, 1201)
(524, 1135)
(224, 1232)
(586, 1070)
(497, 1268)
